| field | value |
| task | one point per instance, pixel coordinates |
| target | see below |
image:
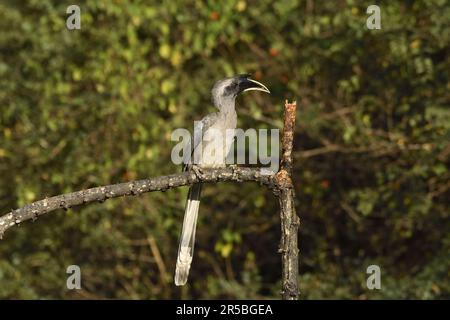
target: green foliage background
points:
(96, 106)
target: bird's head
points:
(226, 90)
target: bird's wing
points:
(200, 128)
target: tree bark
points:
(100, 194)
(289, 220)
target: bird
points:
(215, 129)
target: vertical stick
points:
(289, 219)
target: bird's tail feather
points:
(187, 240)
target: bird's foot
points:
(233, 167)
(198, 171)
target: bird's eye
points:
(230, 89)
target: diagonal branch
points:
(99, 194)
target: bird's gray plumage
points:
(223, 121)
(200, 128)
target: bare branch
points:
(99, 194)
(289, 219)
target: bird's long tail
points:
(187, 240)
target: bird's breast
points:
(218, 140)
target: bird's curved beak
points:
(247, 84)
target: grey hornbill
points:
(223, 121)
